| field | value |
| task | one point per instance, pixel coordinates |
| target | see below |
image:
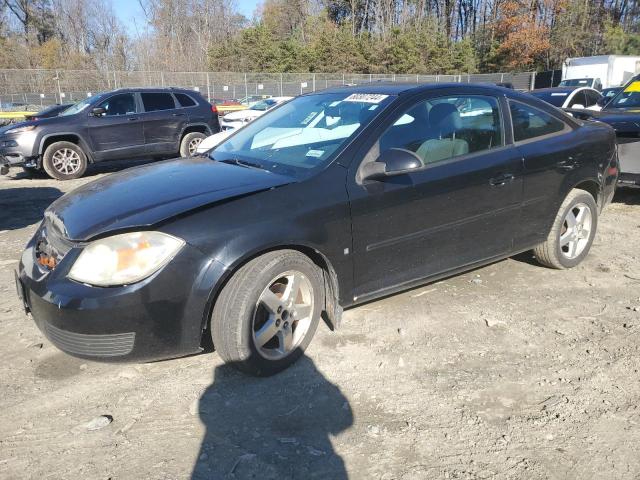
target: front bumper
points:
(157, 318)
(18, 149)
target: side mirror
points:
(395, 161)
(98, 111)
(578, 106)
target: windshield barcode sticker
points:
(365, 97)
(315, 153)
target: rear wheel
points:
(190, 142)
(268, 312)
(572, 233)
(64, 161)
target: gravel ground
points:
(508, 371)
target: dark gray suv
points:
(121, 124)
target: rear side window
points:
(529, 122)
(185, 100)
(592, 98)
(157, 101)
(578, 99)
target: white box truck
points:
(601, 71)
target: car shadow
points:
(628, 196)
(24, 206)
(273, 427)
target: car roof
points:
(153, 89)
(558, 89)
(390, 88)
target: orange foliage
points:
(522, 39)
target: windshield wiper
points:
(244, 163)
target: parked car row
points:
(332, 199)
(620, 108)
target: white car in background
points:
(213, 141)
(570, 97)
(232, 121)
(238, 119)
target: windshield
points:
(303, 134)
(628, 98)
(556, 99)
(263, 105)
(576, 82)
(80, 106)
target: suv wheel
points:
(267, 313)
(190, 142)
(64, 161)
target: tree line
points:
(359, 36)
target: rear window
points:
(157, 101)
(185, 100)
(529, 122)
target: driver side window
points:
(446, 127)
(122, 104)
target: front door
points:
(461, 207)
(117, 132)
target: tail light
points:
(214, 109)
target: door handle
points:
(567, 165)
(132, 119)
(177, 114)
(501, 180)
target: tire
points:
(190, 143)
(64, 161)
(253, 314)
(566, 246)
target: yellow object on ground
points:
(16, 115)
(222, 109)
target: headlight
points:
(124, 259)
(27, 128)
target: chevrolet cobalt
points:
(330, 200)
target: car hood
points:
(243, 115)
(16, 125)
(146, 195)
(619, 114)
(41, 122)
(622, 120)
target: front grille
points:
(112, 345)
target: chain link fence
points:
(20, 88)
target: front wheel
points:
(190, 142)
(64, 161)
(572, 233)
(268, 312)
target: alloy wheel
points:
(283, 315)
(193, 145)
(66, 161)
(576, 230)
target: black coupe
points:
(328, 201)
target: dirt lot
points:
(509, 371)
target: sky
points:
(131, 14)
